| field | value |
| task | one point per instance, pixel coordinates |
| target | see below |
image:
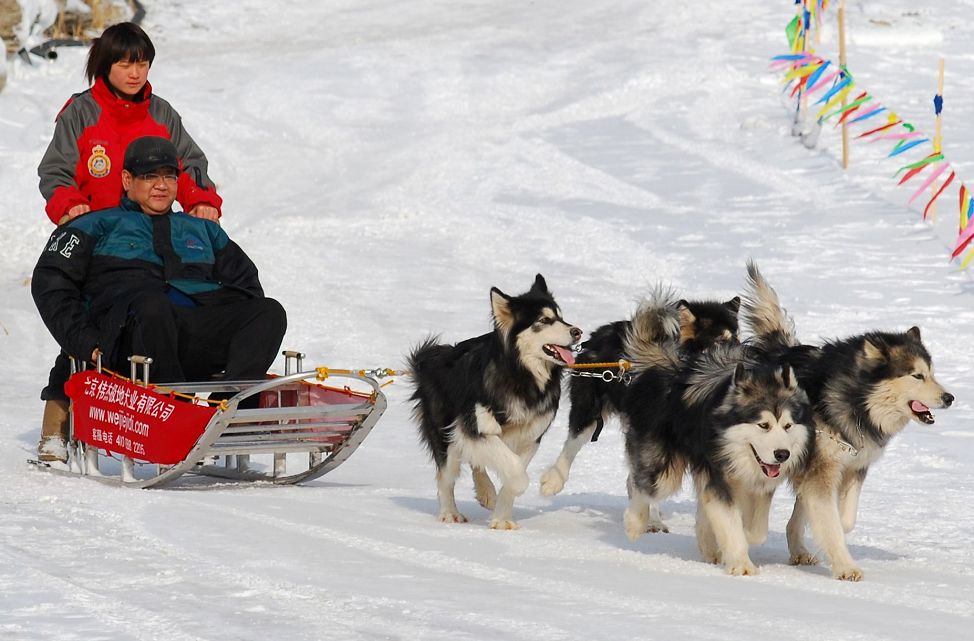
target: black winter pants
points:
(56, 379)
(241, 339)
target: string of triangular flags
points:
(809, 76)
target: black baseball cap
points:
(150, 153)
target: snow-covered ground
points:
(386, 163)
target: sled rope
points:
(621, 364)
(377, 374)
(322, 373)
(608, 375)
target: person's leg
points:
(240, 339)
(54, 424)
(257, 340)
(152, 331)
(56, 379)
(53, 444)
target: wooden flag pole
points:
(938, 140)
(802, 97)
(842, 63)
(818, 22)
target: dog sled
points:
(281, 430)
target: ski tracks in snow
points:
(633, 599)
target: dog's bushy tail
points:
(761, 311)
(712, 369)
(653, 335)
(422, 354)
(425, 363)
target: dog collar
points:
(846, 446)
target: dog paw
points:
(452, 517)
(742, 568)
(803, 558)
(486, 494)
(635, 524)
(484, 490)
(851, 573)
(487, 499)
(552, 481)
(503, 524)
(657, 527)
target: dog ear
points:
(734, 304)
(687, 321)
(872, 351)
(500, 305)
(914, 333)
(786, 375)
(540, 285)
(740, 375)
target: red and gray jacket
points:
(83, 163)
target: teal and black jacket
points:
(95, 265)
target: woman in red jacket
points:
(81, 170)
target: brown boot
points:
(53, 445)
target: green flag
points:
(792, 32)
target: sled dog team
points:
(741, 414)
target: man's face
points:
(154, 192)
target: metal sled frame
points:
(326, 434)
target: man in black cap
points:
(142, 279)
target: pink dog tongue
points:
(917, 406)
(771, 471)
(566, 354)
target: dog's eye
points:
(765, 426)
(787, 426)
(919, 377)
(544, 320)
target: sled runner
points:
(283, 430)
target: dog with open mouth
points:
(695, 324)
(864, 390)
(487, 401)
(733, 415)
(738, 422)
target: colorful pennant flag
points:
(806, 73)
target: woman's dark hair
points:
(122, 41)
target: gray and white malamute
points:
(487, 401)
(696, 325)
(734, 418)
(864, 390)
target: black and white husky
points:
(695, 325)
(864, 390)
(487, 401)
(734, 418)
